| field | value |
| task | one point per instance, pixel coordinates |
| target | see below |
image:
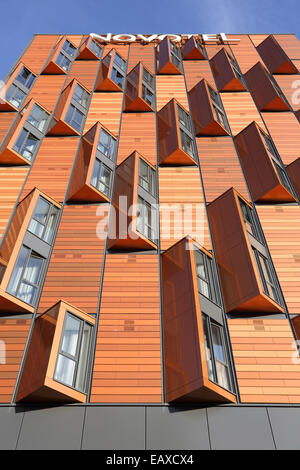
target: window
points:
(147, 177)
(148, 78)
(43, 221)
(236, 69)
(218, 108)
(206, 276)
(63, 62)
(101, 178)
(119, 62)
(145, 219)
(216, 353)
(69, 48)
(175, 55)
(250, 221)
(26, 145)
(75, 118)
(107, 144)
(278, 165)
(95, 48)
(38, 118)
(266, 275)
(26, 276)
(147, 94)
(15, 96)
(186, 135)
(74, 354)
(117, 77)
(81, 96)
(25, 77)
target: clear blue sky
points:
(22, 19)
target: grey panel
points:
(37, 244)
(10, 419)
(114, 428)
(238, 428)
(211, 309)
(52, 428)
(285, 424)
(174, 428)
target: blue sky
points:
(20, 20)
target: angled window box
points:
(275, 58)
(25, 250)
(139, 92)
(22, 143)
(196, 359)
(61, 59)
(112, 72)
(207, 111)
(57, 363)
(175, 135)
(193, 50)
(293, 170)
(247, 276)
(90, 50)
(227, 73)
(265, 91)
(70, 113)
(169, 58)
(265, 173)
(134, 225)
(95, 163)
(16, 89)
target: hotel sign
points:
(206, 38)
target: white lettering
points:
(147, 39)
(150, 38)
(120, 37)
(176, 37)
(102, 38)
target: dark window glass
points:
(147, 177)
(69, 48)
(15, 96)
(26, 276)
(120, 62)
(236, 68)
(175, 55)
(266, 275)
(26, 145)
(117, 77)
(206, 276)
(147, 95)
(38, 118)
(250, 221)
(81, 96)
(101, 178)
(95, 48)
(216, 353)
(25, 77)
(148, 78)
(187, 144)
(107, 144)
(184, 119)
(145, 219)
(63, 62)
(43, 221)
(74, 118)
(74, 353)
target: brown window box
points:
(193, 50)
(185, 361)
(37, 382)
(169, 58)
(226, 72)
(293, 170)
(112, 72)
(61, 59)
(275, 58)
(175, 140)
(241, 282)
(266, 93)
(264, 171)
(90, 50)
(16, 89)
(139, 92)
(207, 110)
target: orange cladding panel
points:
(6, 119)
(182, 211)
(195, 71)
(263, 350)
(257, 38)
(128, 363)
(281, 226)
(75, 267)
(85, 72)
(168, 87)
(289, 85)
(13, 333)
(46, 90)
(52, 167)
(106, 108)
(143, 140)
(39, 50)
(240, 110)
(141, 53)
(287, 142)
(220, 167)
(290, 44)
(245, 52)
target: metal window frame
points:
(151, 182)
(142, 207)
(271, 281)
(111, 156)
(101, 166)
(45, 225)
(72, 117)
(28, 79)
(92, 47)
(210, 276)
(85, 96)
(28, 133)
(76, 358)
(253, 221)
(16, 90)
(43, 115)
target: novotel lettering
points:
(159, 37)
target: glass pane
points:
(20, 140)
(81, 96)
(209, 359)
(15, 96)
(187, 143)
(117, 77)
(71, 335)
(48, 235)
(41, 210)
(36, 228)
(218, 343)
(106, 144)
(29, 147)
(95, 48)
(222, 373)
(119, 62)
(64, 371)
(220, 356)
(25, 77)
(95, 174)
(83, 358)
(68, 48)
(37, 118)
(33, 269)
(27, 293)
(18, 269)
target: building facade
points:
(150, 243)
